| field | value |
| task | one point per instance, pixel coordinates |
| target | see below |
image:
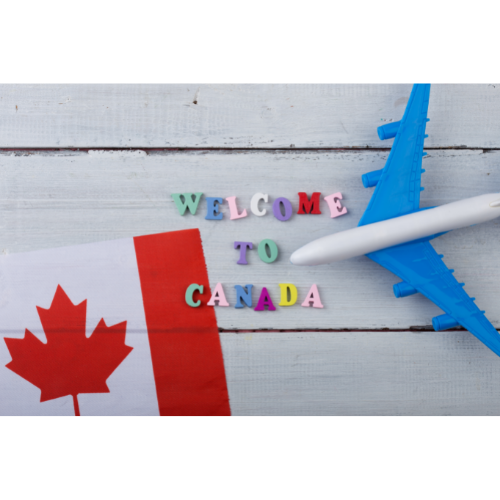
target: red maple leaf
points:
(69, 363)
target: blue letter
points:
(213, 209)
(241, 293)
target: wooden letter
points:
(254, 204)
(336, 208)
(213, 209)
(309, 207)
(189, 294)
(264, 300)
(233, 209)
(285, 287)
(313, 296)
(243, 245)
(277, 209)
(241, 293)
(218, 296)
(273, 250)
(187, 203)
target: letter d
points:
(285, 288)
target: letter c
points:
(189, 294)
(254, 204)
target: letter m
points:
(187, 203)
(307, 206)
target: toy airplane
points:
(395, 232)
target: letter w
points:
(187, 203)
(309, 207)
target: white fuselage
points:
(365, 239)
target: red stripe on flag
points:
(185, 346)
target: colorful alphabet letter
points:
(273, 251)
(243, 245)
(336, 208)
(189, 294)
(307, 206)
(218, 296)
(288, 288)
(254, 204)
(233, 209)
(277, 209)
(243, 294)
(313, 296)
(187, 203)
(264, 300)
(213, 209)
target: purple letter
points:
(242, 245)
(265, 300)
(277, 209)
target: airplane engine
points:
(444, 322)
(371, 178)
(388, 131)
(403, 289)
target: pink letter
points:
(233, 209)
(218, 296)
(265, 300)
(336, 208)
(312, 296)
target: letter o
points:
(277, 209)
(273, 250)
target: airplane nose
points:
(295, 258)
(495, 204)
(300, 257)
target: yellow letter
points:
(285, 287)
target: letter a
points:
(285, 287)
(264, 300)
(218, 296)
(187, 203)
(313, 296)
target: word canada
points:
(289, 296)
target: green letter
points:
(188, 203)
(273, 250)
(189, 294)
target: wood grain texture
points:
(361, 373)
(49, 200)
(238, 116)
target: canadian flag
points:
(104, 329)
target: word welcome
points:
(282, 208)
(289, 296)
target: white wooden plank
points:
(50, 201)
(362, 373)
(234, 116)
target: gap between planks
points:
(346, 149)
(412, 329)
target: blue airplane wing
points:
(421, 268)
(398, 189)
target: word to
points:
(289, 296)
(267, 250)
(282, 208)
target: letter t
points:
(242, 245)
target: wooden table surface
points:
(84, 163)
